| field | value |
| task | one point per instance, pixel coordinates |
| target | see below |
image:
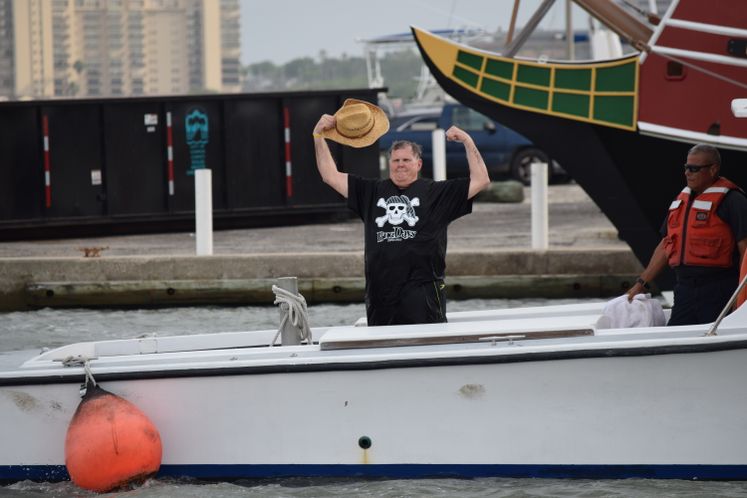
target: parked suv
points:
(506, 153)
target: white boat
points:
(540, 392)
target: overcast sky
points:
(282, 30)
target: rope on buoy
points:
(295, 310)
(89, 374)
(81, 361)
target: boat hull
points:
(630, 415)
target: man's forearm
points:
(478, 172)
(324, 162)
(327, 167)
(656, 265)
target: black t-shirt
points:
(405, 230)
(733, 210)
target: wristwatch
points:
(643, 283)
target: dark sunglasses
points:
(692, 168)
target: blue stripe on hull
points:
(408, 471)
(41, 473)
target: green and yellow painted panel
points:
(604, 93)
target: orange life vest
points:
(708, 240)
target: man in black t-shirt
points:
(405, 220)
(704, 238)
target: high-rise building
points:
(91, 48)
(7, 78)
(26, 63)
(61, 43)
(230, 43)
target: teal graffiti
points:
(196, 128)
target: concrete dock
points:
(489, 255)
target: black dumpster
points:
(114, 166)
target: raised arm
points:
(478, 172)
(324, 162)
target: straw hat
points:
(358, 124)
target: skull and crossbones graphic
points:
(399, 208)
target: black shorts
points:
(700, 300)
(422, 303)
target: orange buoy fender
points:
(742, 296)
(110, 443)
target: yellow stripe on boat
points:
(603, 93)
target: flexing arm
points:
(478, 172)
(324, 162)
(655, 266)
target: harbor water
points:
(49, 328)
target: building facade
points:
(26, 62)
(110, 48)
(7, 74)
(230, 45)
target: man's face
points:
(700, 180)
(404, 167)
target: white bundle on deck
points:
(641, 311)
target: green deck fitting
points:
(530, 97)
(496, 89)
(616, 78)
(471, 60)
(534, 75)
(466, 76)
(502, 69)
(573, 79)
(571, 103)
(614, 109)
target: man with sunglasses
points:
(703, 240)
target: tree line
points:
(400, 70)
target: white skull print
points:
(398, 208)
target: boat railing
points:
(154, 344)
(496, 326)
(492, 337)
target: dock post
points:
(438, 138)
(289, 335)
(539, 207)
(203, 212)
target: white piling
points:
(289, 334)
(203, 212)
(439, 154)
(539, 207)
